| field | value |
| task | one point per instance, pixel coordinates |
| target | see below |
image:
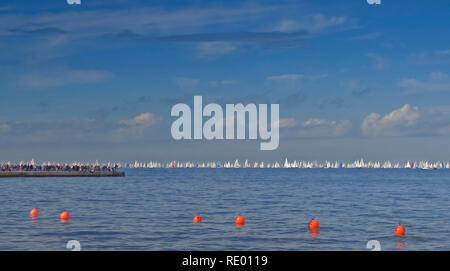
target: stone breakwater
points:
(11, 174)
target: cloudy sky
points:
(98, 80)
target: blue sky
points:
(98, 80)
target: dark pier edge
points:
(12, 174)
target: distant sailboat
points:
(286, 164)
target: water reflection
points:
(400, 245)
(313, 233)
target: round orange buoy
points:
(399, 230)
(197, 219)
(313, 224)
(240, 220)
(34, 212)
(64, 216)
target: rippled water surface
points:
(152, 209)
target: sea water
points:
(152, 209)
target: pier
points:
(15, 174)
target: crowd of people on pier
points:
(58, 167)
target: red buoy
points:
(34, 212)
(399, 230)
(313, 224)
(64, 216)
(197, 219)
(239, 220)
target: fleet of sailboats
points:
(427, 165)
(292, 164)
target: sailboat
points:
(236, 164)
(286, 164)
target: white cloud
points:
(436, 83)
(65, 129)
(136, 126)
(72, 130)
(288, 26)
(397, 122)
(324, 128)
(146, 20)
(140, 20)
(144, 120)
(52, 79)
(437, 76)
(291, 77)
(187, 82)
(374, 2)
(217, 83)
(444, 52)
(312, 23)
(409, 121)
(215, 48)
(4, 128)
(320, 22)
(287, 123)
(190, 26)
(367, 36)
(285, 77)
(72, 2)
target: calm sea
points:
(152, 209)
